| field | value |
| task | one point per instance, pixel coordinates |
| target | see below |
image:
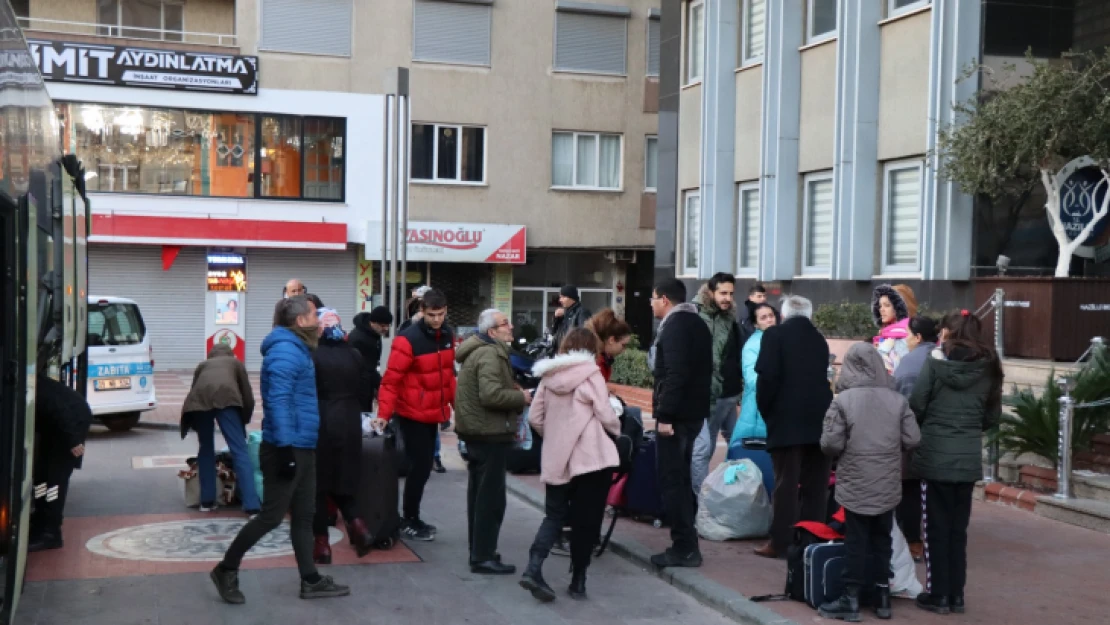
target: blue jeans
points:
(722, 419)
(235, 434)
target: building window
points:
(591, 41)
(820, 20)
(690, 234)
(653, 47)
(748, 222)
(695, 41)
(447, 153)
(755, 26)
(586, 160)
(651, 163)
(818, 226)
(451, 32)
(901, 216)
(132, 149)
(323, 158)
(898, 7)
(320, 27)
(141, 19)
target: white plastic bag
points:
(904, 583)
(523, 431)
(733, 504)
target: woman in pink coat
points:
(571, 410)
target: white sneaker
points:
(204, 508)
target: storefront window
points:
(130, 149)
(281, 157)
(323, 159)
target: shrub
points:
(1035, 425)
(631, 367)
(845, 320)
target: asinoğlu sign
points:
(455, 242)
(65, 61)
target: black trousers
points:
(485, 497)
(947, 515)
(801, 491)
(581, 503)
(420, 444)
(909, 511)
(345, 504)
(867, 540)
(52, 470)
(675, 453)
(296, 496)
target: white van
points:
(121, 363)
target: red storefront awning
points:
(149, 230)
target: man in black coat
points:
(757, 294)
(571, 314)
(366, 337)
(793, 394)
(62, 419)
(682, 361)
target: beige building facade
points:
(539, 115)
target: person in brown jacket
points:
(221, 394)
(867, 426)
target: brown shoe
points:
(360, 537)
(767, 551)
(321, 550)
(917, 550)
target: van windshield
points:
(115, 324)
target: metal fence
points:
(1068, 406)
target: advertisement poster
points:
(227, 309)
(232, 340)
(364, 287)
(503, 289)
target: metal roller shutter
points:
(329, 275)
(172, 302)
(590, 43)
(451, 32)
(307, 26)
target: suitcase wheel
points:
(384, 544)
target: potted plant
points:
(1047, 133)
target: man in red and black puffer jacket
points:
(419, 389)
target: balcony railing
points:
(127, 32)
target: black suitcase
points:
(377, 496)
(524, 461)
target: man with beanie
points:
(571, 315)
(366, 337)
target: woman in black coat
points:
(341, 388)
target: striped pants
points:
(947, 513)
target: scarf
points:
(309, 334)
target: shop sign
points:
(1082, 192)
(227, 271)
(503, 289)
(128, 66)
(455, 242)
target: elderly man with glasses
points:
(488, 403)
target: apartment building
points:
(795, 139)
(231, 137)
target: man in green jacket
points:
(488, 403)
(715, 305)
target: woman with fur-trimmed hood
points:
(892, 307)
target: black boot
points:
(846, 608)
(882, 602)
(577, 590)
(533, 581)
(933, 603)
(45, 541)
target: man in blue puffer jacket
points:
(290, 425)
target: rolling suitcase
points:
(642, 494)
(824, 565)
(377, 497)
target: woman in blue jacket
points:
(750, 430)
(290, 425)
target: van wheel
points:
(121, 423)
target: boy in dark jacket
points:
(683, 369)
(367, 339)
(867, 427)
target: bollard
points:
(999, 306)
(1063, 465)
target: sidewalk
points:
(1022, 570)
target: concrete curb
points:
(725, 600)
(169, 427)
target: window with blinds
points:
(451, 32)
(748, 239)
(651, 163)
(653, 47)
(901, 216)
(591, 42)
(307, 26)
(817, 250)
(755, 24)
(695, 40)
(690, 250)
